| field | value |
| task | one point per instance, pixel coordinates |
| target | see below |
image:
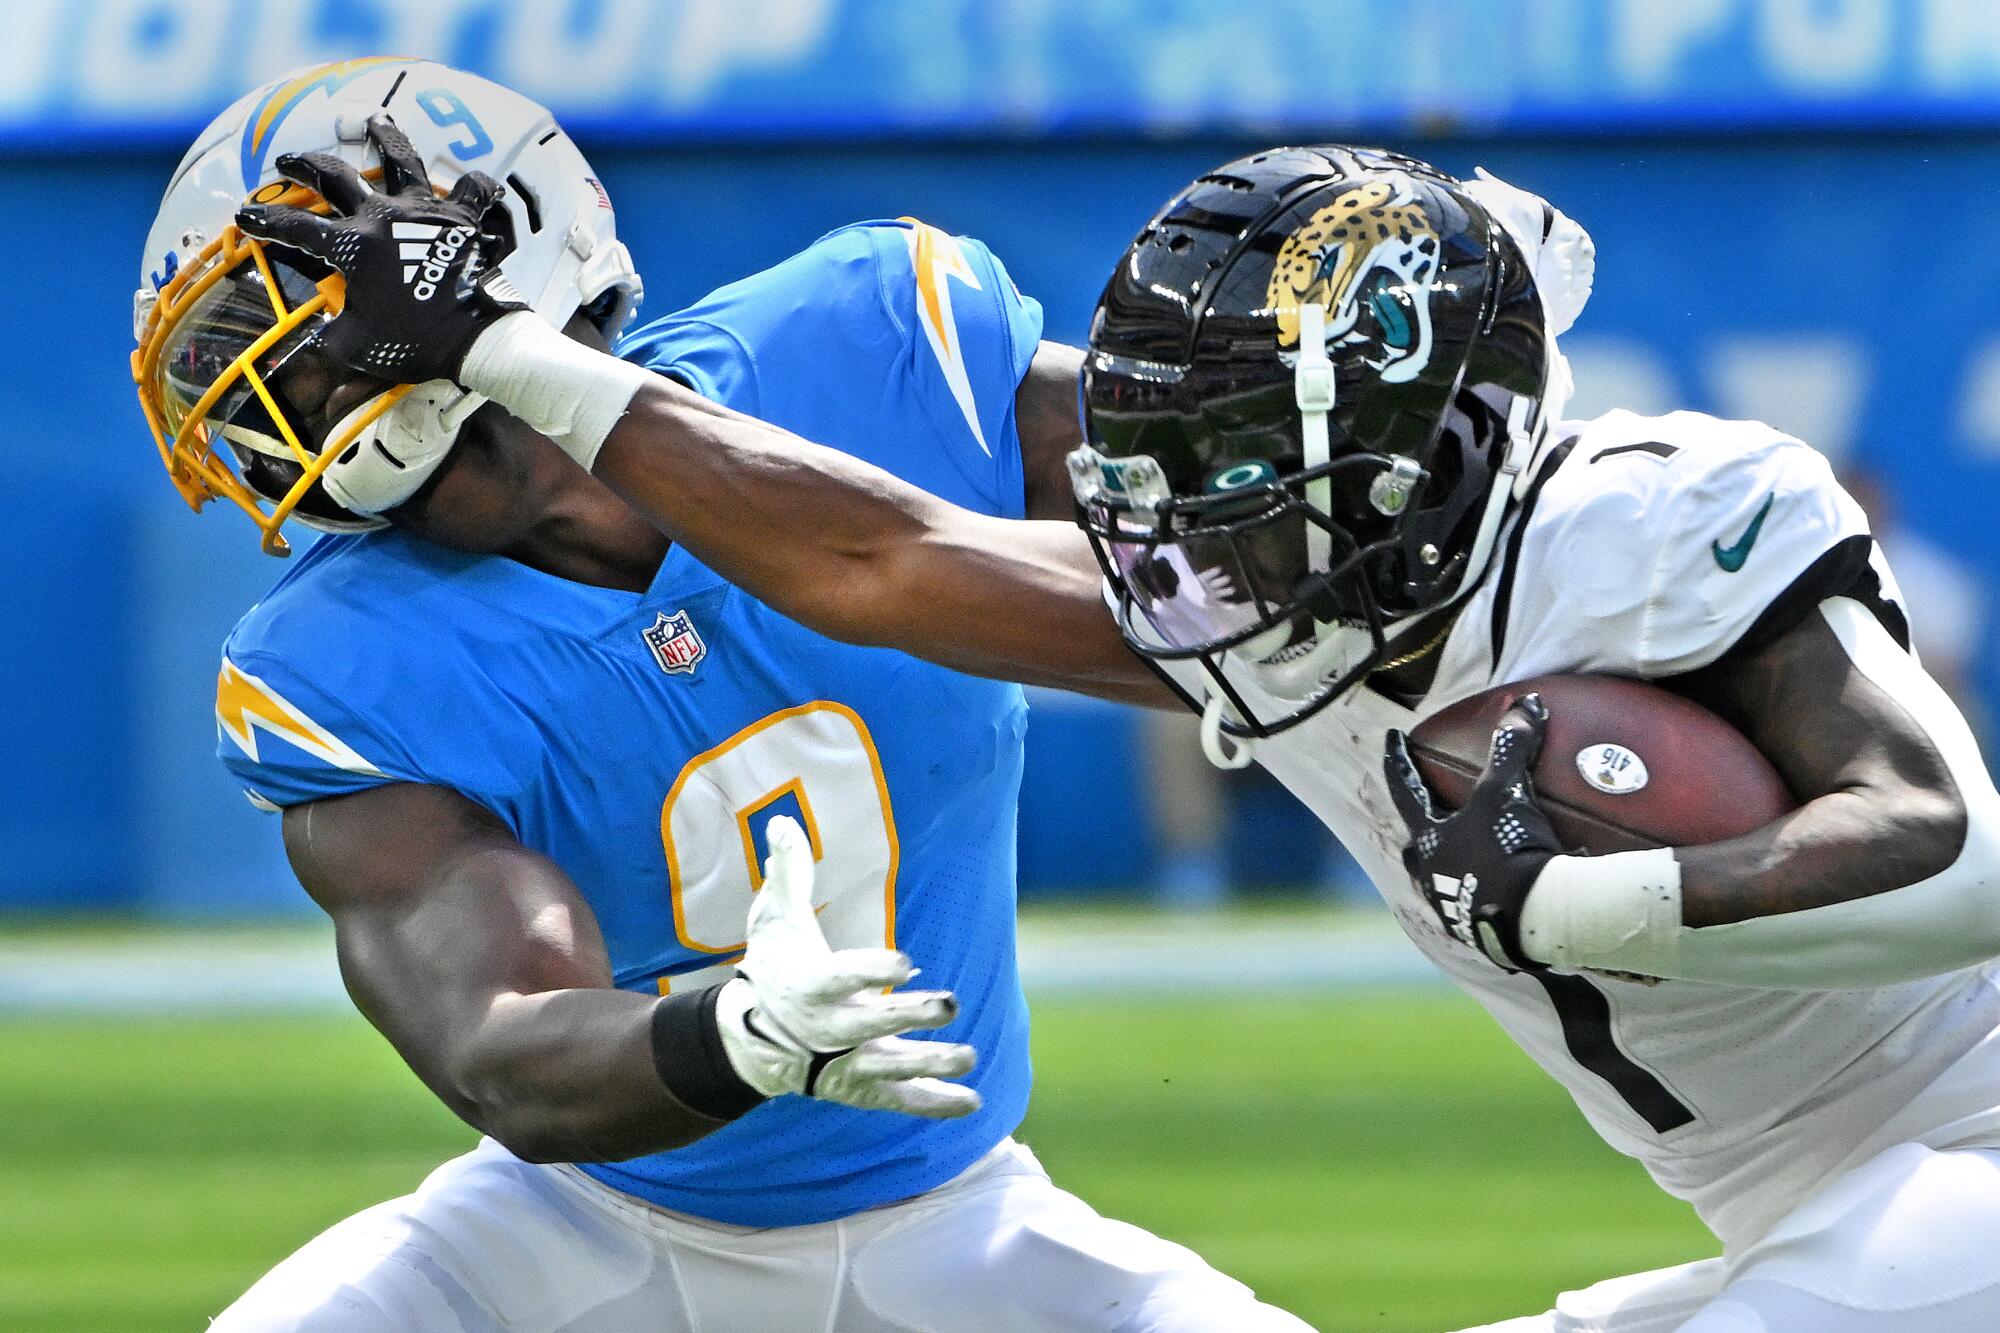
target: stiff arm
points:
(863, 556)
(831, 542)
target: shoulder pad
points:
(1662, 540)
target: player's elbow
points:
(1968, 839)
(503, 1106)
(546, 1143)
(1952, 850)
(527, 1141)
(541, 1111)
(1930, 835)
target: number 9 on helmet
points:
(241, 405)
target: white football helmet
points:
(223, 325)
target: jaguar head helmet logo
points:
(1371, 258)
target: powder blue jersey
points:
(641, 741)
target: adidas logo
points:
(427, 249)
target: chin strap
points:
(1313, 390)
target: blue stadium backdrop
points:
(1793, 200)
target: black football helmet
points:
(1310, 384)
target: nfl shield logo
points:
(675, 642)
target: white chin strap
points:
(391, 459)
(1313, 389)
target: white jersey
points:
(1654, 547)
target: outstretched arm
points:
(860, 555)
(832, 542)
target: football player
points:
(537, 764)
(1333, 491)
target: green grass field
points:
(1373, 1163)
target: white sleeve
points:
(1745, 527)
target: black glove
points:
(1474, 866)
(423, 277)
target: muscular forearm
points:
(569, 1076)
(490, 979)
(831, 541)
(863, 556)
(1838, 848)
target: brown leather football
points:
(1625, 765)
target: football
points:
(1625, 764)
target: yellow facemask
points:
(204, 365)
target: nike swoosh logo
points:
(1731, 558)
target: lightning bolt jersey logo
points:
(936, 258)
(244, 704)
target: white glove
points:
(801, 1017)
(1560, 252)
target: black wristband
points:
(690, 1059)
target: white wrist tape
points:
(559, 387)
(1616, 913)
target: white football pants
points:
(1908, 1242)
(490, 1242)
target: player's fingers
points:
(1406, 785)
(327, 176)
(481, 195)
(476, 191)
(402, 164)
(496, 235)
(282, 224)
(783, 905)
(931, 1098)
(899, 1058)
(1517, 740)
(851, 970)
(868, 1016)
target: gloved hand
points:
(1475, 866)
(803, 1017)
(422, 273)
(425, 301)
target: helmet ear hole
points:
(556, 213)
(530, 205)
